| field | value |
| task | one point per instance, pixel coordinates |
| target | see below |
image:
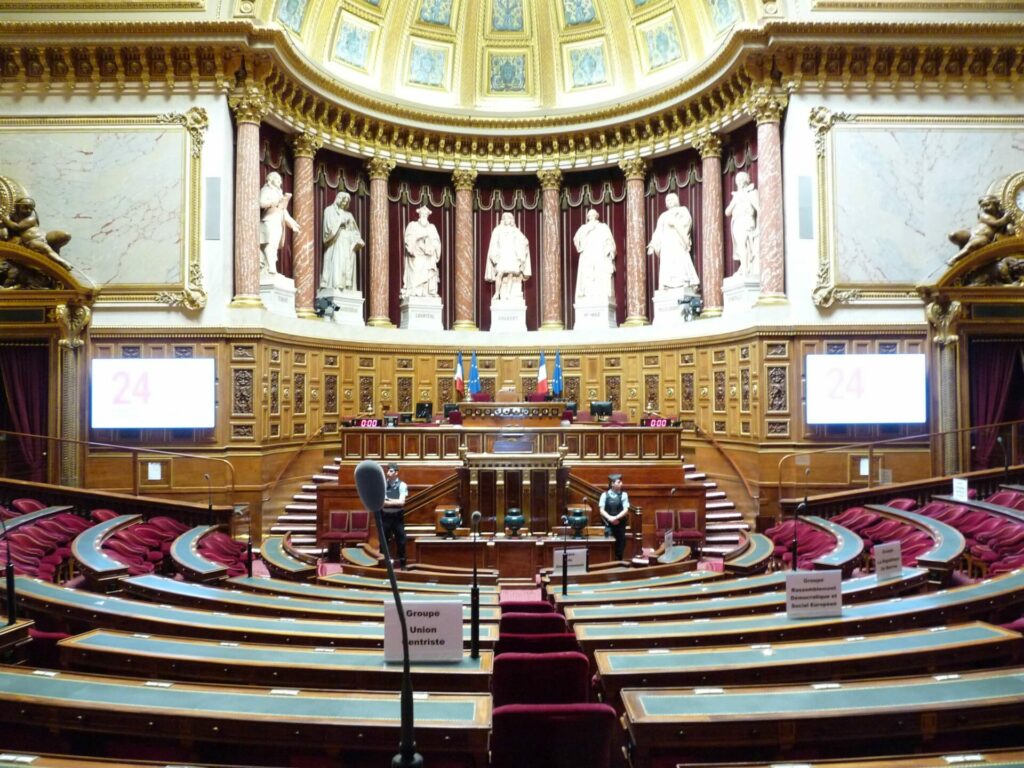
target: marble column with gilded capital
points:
(249, 105)
(304, 146)
(465, 283)
(379, 168)
(551, 257)
(635, 170)
(712, 239)
(767, 107)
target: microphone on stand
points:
(474, 595)
(565, 555)
(209, 491)
(371, 487)
(12, 596)
(1006, 459)
(801, 507)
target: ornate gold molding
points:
(708, 144)
(766, 104)
(634, 168)
(73, 318)
(464, 179)
(821, 121)
(195, 121)
(249, 104)
(380, 167)
(550, 178)
(305, 144)
(944, 317)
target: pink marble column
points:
(551, 257)
(304, 146)
(249, 106)
(465, 282)
(635, 169)
(379, 169)
(711, 234)
(767, 109)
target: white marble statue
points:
(342, 241)
(596, 246)
(422, 256)
(274, 219)
(508, 260)
(671, 244)
(743, 208)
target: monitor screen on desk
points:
(572, 406)
(404, 417)
(449, 407)
(424, 411)
(601, 409)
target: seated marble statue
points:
(671, 244)
(342, 241)
(422, 256)
(22, 227)
(743, 208)
(596, 266)
(992, 223)
(274, 219)
(508, 260)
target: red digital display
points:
(652, 421)
(364, 423)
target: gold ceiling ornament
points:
(708, 144)
(249, 103)
(195, 121)
(550, 178)
(766, 103)
(944, 317)
(73, 318)
(305, 144)
(634, 168)
(380, 167)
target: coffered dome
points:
(494, 57)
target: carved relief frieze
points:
(613, 391)
(718, 356)
(887, 348)
(243, 431)
(744, 389)
(243, 352)
(181, 353)
(652, 360)
(776, 428)
(405, 393)
(131, 353)
(366, 389)
(686, 392)
(720, 426)
(242, 392)
(366, 362)
(776, 349)
(331, 361)
(571, 363)
(571, 385)
(446, 389)
(652, 386)
(300, 358)
(719, 404)
(835, 348)
(443, 364)
(275, 355)
(275, 393)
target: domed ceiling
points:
(505, 56)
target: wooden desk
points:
(512, 557)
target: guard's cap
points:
(393, 466)
(613, 478)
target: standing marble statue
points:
(671, 244)
(274, 219)
(743, 208)
(422, 256)
(341, 243)
(596, 246)
(508, 260)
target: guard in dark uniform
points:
(614, 508)
(393, 514)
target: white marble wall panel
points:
(898, 190)
(119, 192)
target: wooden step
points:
(307, 497)
(723, 515)
(694, 476)
(716, 505)
(295, 517)
(299, 507)
(325, 478)
(280, 530)
(309, 487)
(710, 495)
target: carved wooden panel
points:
(299, 428)
(451, 445)
(331, 393)
(275, 393)
(778, 388)
(571, 385)
(835, 348)
(611, 445)
(686, 392)
(630, 442)
(241, 392)
(299, 398)
(331, 361)
(373, 445)
(487, 385)
(613, 391)
(243, 431)
(549, 443)
(745, 389)
(652, 395)
(572, 444)
(300, 358)
(527, 385)
(777, 428)
(392, 445)
(719, 391)
(718, 356)
(475, 443)
(411, 449)
(446, 389)
(366, 393)
(431, 446)
(670, 444)
(183, 353)
(405, 394)
(651, 445)
(352, 444)
(591, 446)
(243, 352)
(776, 349)
(275, 355)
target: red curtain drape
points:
(24, 372)
(991, 373)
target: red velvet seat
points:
(541, 678)
(482, 397)
(553, 736)
(531, 623)
(526, 606)
(24, 506)
(103, 515)
(345, 526)
(536, 643)
(904, 504)
(687, 526)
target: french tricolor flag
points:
(460, 382)
(542, 376)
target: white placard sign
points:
(960, 489)
(434, 626)
(814, 594)
(888, 560)
(577, 560)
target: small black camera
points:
(325, 307)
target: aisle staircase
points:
(724, 521)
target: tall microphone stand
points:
(801, 507)
(565, 555)
(12, 596)
(474, 596)
(407, 756)
(1006, 459)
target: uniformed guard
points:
(614, 508)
